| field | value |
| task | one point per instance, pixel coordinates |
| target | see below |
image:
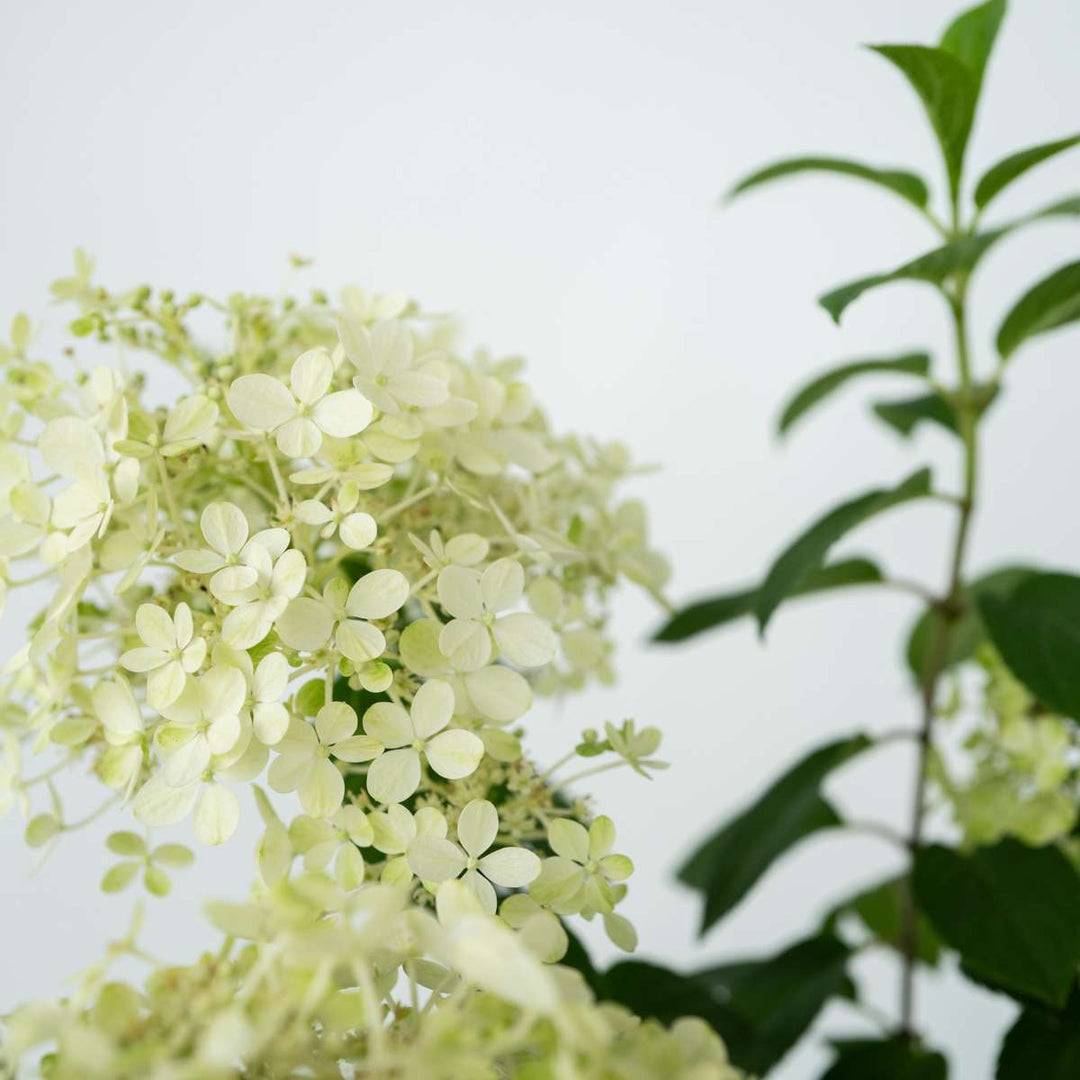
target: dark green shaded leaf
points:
(820, 388)
(999, 176)
(730, 862)
(577, 957)
(653, 991)
(971, 35)
(880, 910)
(905, 416)
(1010, 911)
(1050, 303)
(720, 610)
(905, 184)
(1036, 628)
(968, 632)
(936, 266)
(1043, 1043)
(807, 553)
(889, 1059)
(948, 90)
(778, 998)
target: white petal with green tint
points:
(511, 867)
(432, 708)
(377, 595)
(454, 754)
(394, 776)
(261, 402)
(216, 815)
(478, 825)
(431, 858)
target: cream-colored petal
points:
(569, 839)
(377, 595)
(261, 402)
(389, 723)
(478, 825)
(394, 776)
(311, 375)
(454, 754)
(343, 414)
(525, 639)
(460, 593)
(432, 708)
(499, 693)
(335, 721)
(502, 584)
(511, 867)
(433, 859)
(322, 789)
(217, 814)
(466, 643)
(306, 624)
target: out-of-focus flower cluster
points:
(1020, 766)
(310, 994)
(339, 566)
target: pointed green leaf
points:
(888, 1059)
(778, 998)
(905, 416)
(730, 862)
(819, 388)
(1036, 629)
(808, 552)
(905, 184)
(968, 632)
(936, 266)
(1052, 302)
(948, 90)
(1010, 911)
(971, 35)
(999, 176)
(720, 610)
(1043, 1043)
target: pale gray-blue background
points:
(551, 172)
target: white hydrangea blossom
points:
(340, 567)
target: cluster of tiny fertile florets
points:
(338, 567)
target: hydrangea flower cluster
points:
(338, 568)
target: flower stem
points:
(948, 611)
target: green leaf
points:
(730, 862)
(778, 998)
(1010, 911)
(968, 632)
(905, 416)
(999, 176)
(1050, 303)
(905, 184)
(820, 388)
(719, 610)
(126, 843)
(948, 90)
(880, 909)
(656, 992)
(1036, 628)
(937, 265)
(889, 1059)
(795, 564)
(119, 876)
(1043, 1043)
(971, 35)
